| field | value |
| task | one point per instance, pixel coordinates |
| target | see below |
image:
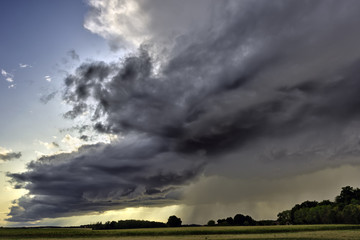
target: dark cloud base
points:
(263, 70)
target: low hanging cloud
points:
(255, 89)
(100, 177)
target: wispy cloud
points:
(22, 65)
(4, 73)
(8, 77)
(48, 97)
(73, 55)
(48, 78)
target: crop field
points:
(190, 233)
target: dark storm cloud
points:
(10, 156)
(238, 97)
(102, 177)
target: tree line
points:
(238, 220)
(173, 221)
(344, 210)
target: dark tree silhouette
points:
(348, 195)
(230, 221)
(211, 223)
(174, 221)
(239, 220)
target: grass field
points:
(191, 233)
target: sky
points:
(202, 109)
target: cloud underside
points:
(263, 89)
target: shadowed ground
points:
(193, 233)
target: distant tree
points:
(325, 202)
(230, 221)
(174, 221)
(309, 204)
(249, 221)
(348, 195)
(239, 220)
(222, 222)
(211, 223)
(284, 217)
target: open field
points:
(192, 233)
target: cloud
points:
(47, 98)
(73, 142)
(22, 65)
(4, 73)
(7, 154)
(47, 78)
(9, 79)
(73, 55)
(49, 146)
(101, 177)
(254, 90)
(10, 156)
(130, 23)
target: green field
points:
(189, 233)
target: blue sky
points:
(202, 109)
(39, 35)
(36, 40)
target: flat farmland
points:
(190, 233)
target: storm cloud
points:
(254, 88)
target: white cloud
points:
(48, 78)
(114, 21)
(4, 150)
(40, 154)
(4, 73)
(24, 65)
(8, 77)
(130, 23)
(49, 146)
(73, 143)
